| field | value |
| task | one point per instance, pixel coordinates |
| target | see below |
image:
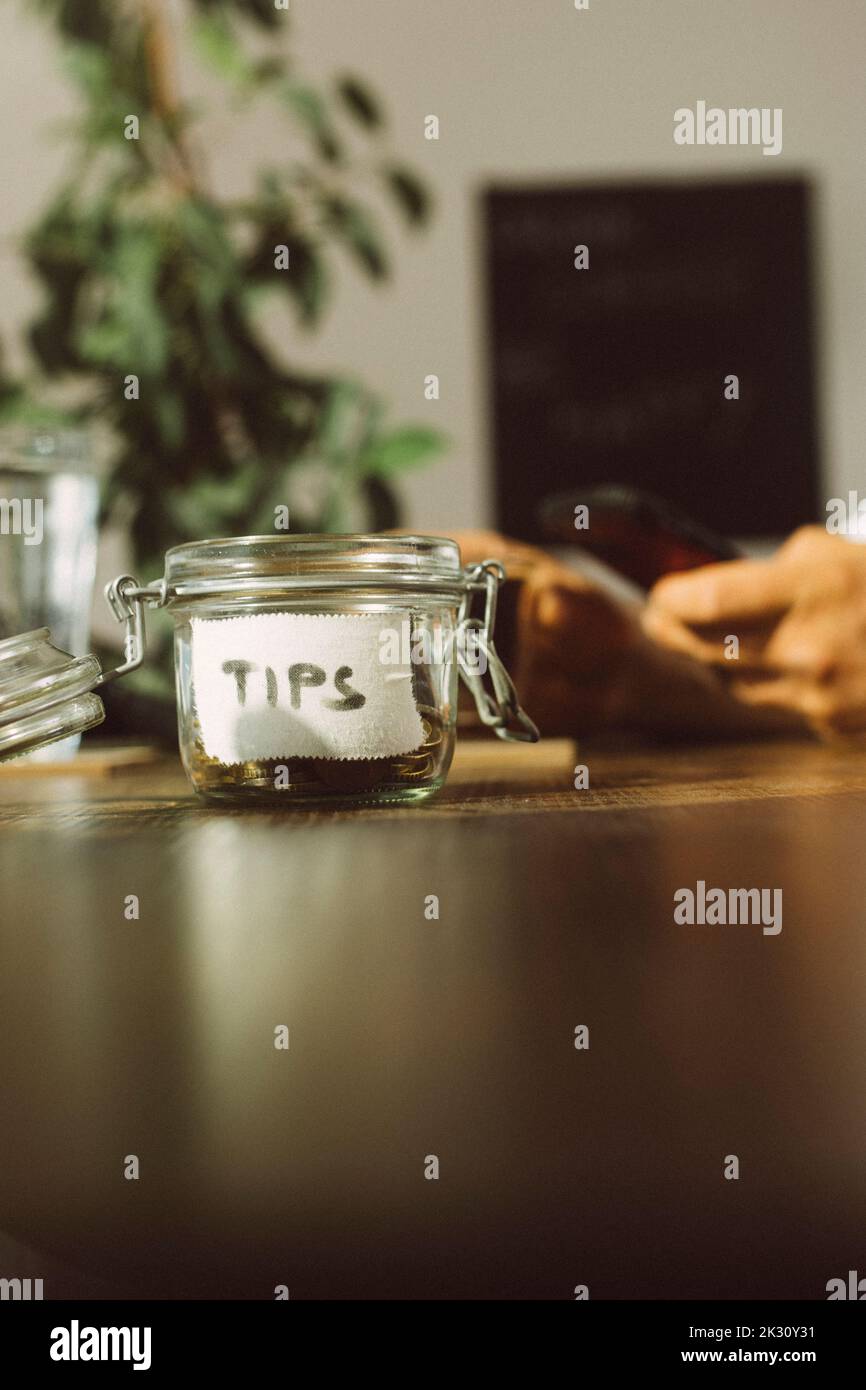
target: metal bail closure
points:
(127, 601)
(498, 708)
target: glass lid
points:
(313, 560)
(45, 694)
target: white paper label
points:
(283, 685)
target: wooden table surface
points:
(454, 1037)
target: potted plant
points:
(154, 285)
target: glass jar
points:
(49, 505)
(320, 669)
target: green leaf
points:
(360, 102)
(306, 280)
(409, 193)
(207, 503)
(130, 329)
(85, 21)
(19, 407)
(349, 417)
(355, 227)
(310, 111)
(409, 447)
(267, 70)
(90, 67)
(218, 46)
(168, 408)
(209, 246)
(263, 12)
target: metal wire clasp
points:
(127, 600)
(500, 708)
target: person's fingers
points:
(731, 591)
(829, 711)
(666, 629)
(710, 645)
(669, 691)
(786, 692)
(820, 640)
(806, 654)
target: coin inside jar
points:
(331, 777)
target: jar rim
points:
(312, 558)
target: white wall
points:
(523, 89)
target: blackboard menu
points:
(623, 371)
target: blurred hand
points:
(800, 618)
(585, 662)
